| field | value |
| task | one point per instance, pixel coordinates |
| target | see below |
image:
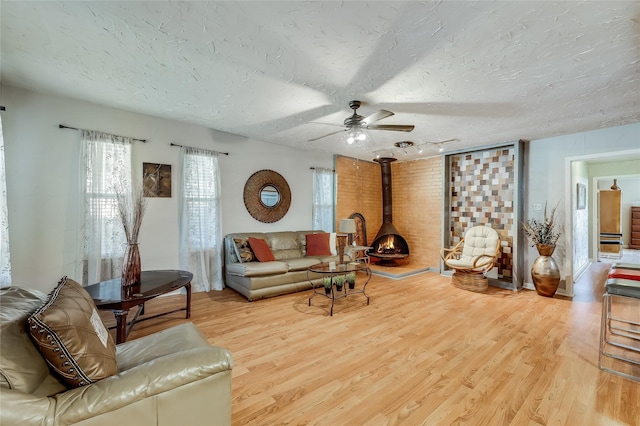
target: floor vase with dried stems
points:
(131, 267)
(545, 271)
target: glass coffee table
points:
(332, 270)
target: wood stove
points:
(389, 247)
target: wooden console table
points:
(110, 295)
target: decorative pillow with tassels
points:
(71, 336)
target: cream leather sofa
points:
(174, 377)
(287, 274)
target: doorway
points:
(583, 247)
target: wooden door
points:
(610, 219)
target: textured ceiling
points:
(478, 72)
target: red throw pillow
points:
(318, 244)
(261, 249)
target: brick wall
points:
(417, 207)
(417, 201)
(359, 191)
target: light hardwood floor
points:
(422, 353)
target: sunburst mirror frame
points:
(253, 188)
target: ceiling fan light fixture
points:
(354, 137)
(404, 144)
(355, 125)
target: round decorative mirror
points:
(267, 196)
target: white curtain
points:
(322, 212)
(5, 260)
(105, 166)
(200, 219)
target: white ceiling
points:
(480, 72)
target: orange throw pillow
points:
(318, 244)
(261, 249)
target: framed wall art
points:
(156, 179)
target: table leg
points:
(333, 300)
(121, 325)
(364, 287)
(188, 287)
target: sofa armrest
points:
(143, 381)
(182, 337)
(19, 408)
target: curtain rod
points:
(210, 150)
(321, 168)
(62, 126)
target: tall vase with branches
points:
(131, 210)
(544, 234)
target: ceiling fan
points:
(354, 123)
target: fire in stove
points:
(387, 246)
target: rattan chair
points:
(474, 256)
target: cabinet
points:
(634, 238)
(610, 232)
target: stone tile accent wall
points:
(482, 190)
(417, 202)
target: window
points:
(106, 164)
(5, 262)
(200, 227)
(322, 211)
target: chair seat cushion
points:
(622, 287)
(623, 265)
(466, 262)
(257, 269)
(302, 263)
(627, 274)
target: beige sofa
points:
(287, 274)
(174, 377)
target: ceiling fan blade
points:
(328, 134)
(327, 124)
(447, 141)
(394, 127)
(383, 113)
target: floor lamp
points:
(347, 226)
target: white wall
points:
(42, 180)
(580, 231)
(548, 179)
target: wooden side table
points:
(110, 295)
